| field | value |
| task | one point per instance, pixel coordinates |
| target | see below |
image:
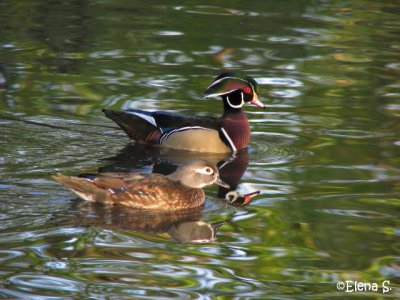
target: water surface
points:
(325, 154)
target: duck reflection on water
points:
(165, 161)
(184, 225)
(179, 220)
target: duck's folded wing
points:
(144, 126)
(193, 133)
(146, 184)
(152, 192)
(169, 121)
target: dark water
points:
(325, 154)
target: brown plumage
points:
(179, 190)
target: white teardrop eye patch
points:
(206, 171)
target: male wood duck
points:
(229, 133)
(233, 197)
(179, 190)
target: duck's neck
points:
(232, 105)
(236, 125)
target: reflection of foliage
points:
(325, 153)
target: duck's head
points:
(234, 198)
(197, 174)
(235, 88)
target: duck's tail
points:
(84, 188)
(138, 125)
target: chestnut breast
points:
(238, 129)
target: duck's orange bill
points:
(257, 101)
(247, 197)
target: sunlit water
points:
(325, 154)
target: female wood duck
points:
(179, 190)
(229, 133)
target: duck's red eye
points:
(247, 90)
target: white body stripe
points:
(228, 139)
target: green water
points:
(325, 154)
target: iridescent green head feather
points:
(229, 82)
(234, 82)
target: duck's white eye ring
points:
(207, 171)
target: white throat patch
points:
(236, 106)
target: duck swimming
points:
(228, 133)
(180, 190)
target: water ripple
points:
(6, 255)
(38, 282)
(288, 93)
(355, 213)
(215, 10)
(169, 33)
(324, 154)
(353, 133)
(279, 81)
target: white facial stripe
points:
(219, 94)
(222, 79)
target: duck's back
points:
(157, 192)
